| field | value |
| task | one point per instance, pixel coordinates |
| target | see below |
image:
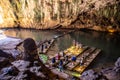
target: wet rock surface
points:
(20, 70)
(8, 47)
(111, 73)
(4, 54)
(9, 43)
(12, 73)
(13, 52)
(21, 65)
(28, 68)
(90, 75)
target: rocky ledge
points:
(21, 69)
(25, 65)
(111, 73)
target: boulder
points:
(29, 44)
(111, 74)
(30, 50)
(89, 75)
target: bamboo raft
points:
(87, 62)
(70, 66)
(89, 54)
(81, 50)
(48, 45)
(72, 54)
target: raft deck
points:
(88, 55)
(79, 57)
(48, 45)
(80, 68)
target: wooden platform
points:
(88, 54)
(88, 60)
(74, 51)
(84, 54)
(48, 44)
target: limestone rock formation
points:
(47, 14)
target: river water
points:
(109, 43)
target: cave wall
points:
(44, 14)
(102, 20)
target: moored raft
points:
(45, 45)
(88, 60)
(79, 57)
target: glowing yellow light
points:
(74, 50)
(111, 30)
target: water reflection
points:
(35, 34)
(109, 43)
